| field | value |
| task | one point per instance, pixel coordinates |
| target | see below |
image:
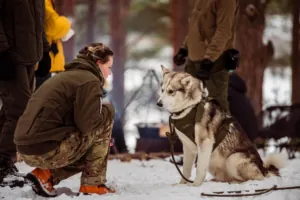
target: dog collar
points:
(203, 101)
(179, 112)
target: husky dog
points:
(235, 159)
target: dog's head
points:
(179, 91)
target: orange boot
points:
(42, 182)
(95, 189)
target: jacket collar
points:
(84, 63)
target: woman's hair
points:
(97, 51)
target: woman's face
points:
(106, 67)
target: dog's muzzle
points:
(159, 104)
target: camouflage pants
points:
(79, 152)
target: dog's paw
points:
(182, 181)
(176, 184)
(195, 183)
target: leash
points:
(172, 139)
(241, 193)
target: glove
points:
(54, 49)
(232, 59)
(204, 69)
(7, 66)
(180, 57)
(44, 65)
(104, 93)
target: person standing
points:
(209, 46)
(22, 46)
(56, 28)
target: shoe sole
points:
(38, 188)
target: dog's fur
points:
(235, 159)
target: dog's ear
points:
(165, 70)
(205, 92)
(201, 85)
(203, 89)
(187, 82)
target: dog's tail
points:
(273, 163)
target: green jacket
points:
(211, 29)
(70, 101)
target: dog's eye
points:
(170, 91)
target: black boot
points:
(7, 167)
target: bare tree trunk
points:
(296, 53)
(254, 54)
(179, 17)
(118, 13)
(91, 21)
(66, 8)
(191, 5)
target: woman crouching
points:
(66, 129)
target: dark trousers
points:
(15, 95)
(217, 85)
(40, 80)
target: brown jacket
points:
(69, 101)
(211, 29)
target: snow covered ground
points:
(154, 179)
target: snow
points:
(277, 86)
(155, 179)
(279, 31)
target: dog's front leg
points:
(204, 147)
(188, 160)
